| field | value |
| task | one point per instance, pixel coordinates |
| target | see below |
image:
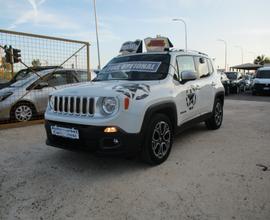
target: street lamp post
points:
(226, 46)
(242, 52)
(95, 11)
(185, 24)
(253, 53)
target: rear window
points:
(263, 74)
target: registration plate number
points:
(71, 133)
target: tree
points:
(6, 66)
(261, 60)
(36, 63)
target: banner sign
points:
(131, 47)
(136, 66)
(157, 44)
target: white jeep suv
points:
(137, 103)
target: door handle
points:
(213, 84)
(197, 87)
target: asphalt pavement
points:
(210, 175)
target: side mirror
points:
(188, 76)
(42, 85)
(97, 71)
(175, 77)
(202, 60)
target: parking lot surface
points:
(209, 175)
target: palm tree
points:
(261, 60)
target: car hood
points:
(132, 89)
(7, 90)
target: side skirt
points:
(193, 122)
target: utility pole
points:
(95, 11)
(185, 24)
(242, 52)
(226, 50)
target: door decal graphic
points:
(191, 98)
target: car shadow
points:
(106, 164)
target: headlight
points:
(109, 105)
(51, 102)
(5, 95)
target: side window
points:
(185, 63)
(82, 76)
(72, 77)
(57, 79)
(202, 67)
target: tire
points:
(215, 121)
(254, 93)
(23, 111)
(227, 90)
(159, 137)
(237, 90)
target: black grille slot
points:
(84, 106)
(91, 106)
(60, 104)
(55, 103)
(78, 104)
(66, 104)
(71, 104)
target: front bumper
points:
(93, 138)
(261, 88)
(4, 113)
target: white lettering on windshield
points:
(136, 66)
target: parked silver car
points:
(27, 98)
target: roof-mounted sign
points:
(131, 47)
(158, 44)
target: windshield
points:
(136, 67)
(22, 82)
(231, 75)
(263, 74)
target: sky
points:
(243, 23)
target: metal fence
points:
(32, 66)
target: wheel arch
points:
(167, 108)
(220, 95)
(23, 101)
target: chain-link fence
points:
(33, 66)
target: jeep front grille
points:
(74, 105)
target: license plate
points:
(71, 133)
(266, 88)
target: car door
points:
(204, 85)
(186, 97)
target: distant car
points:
(246, 83)
(261, 82)
(24, 72)
(235, 81)
(225, 82)
(28, 97)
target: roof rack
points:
(192, 51)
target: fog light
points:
(110, 130)
(115, 141)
